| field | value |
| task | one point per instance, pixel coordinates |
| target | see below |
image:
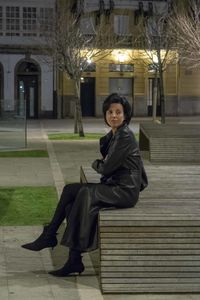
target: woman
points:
(123, 177)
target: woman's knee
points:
(71, 190)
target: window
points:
(87, 25)
(153, 67)
(29, 21)
(1, 21)
(123, 86)
(46, 20)
(27, 67)
(121, 68)
(12, 21)
(121, 25)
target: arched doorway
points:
(1, 89)
(27, 75)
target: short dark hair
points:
(116, 98)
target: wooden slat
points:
(148, 231)
(115, 242)
(107, 275)
(151, 288)
(111, 237)
(115, 271)
(115, 259)
(121, 252)
(156, 281)
(150, 223)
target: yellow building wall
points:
(68, 86)
(189, 82)
(170, 77)
(102, 74)
(139, 81)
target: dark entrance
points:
(28, 95)
(88, 97)
(27, 89)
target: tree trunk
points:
(75, 119)
(178, 90)
(162, 98)
(155, 96)
(78, 110)
(162, 95)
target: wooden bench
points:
(155, 246)
(170, 142)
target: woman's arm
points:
(104, 143)
(118, 151)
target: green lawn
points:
(27, 205)
(73, 136)
(24, 153)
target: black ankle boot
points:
(46, 240)
(73, 265)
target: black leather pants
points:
(64, 206)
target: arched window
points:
(27, 67)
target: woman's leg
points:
(64, 206)
(48, 237)
(81, 231)
(74, 264)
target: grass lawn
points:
(27, 205)
(24, 153)
(74, 136)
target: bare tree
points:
(72, 48)
(185, 25)
(156, 40)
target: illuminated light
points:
(89, 61)
(121, 56)
(153, 56)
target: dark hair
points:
(116, 98)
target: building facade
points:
(29, 81)
(26, 79)
(131, 78)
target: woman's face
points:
(115, 116)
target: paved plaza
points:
(24, 274)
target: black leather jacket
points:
(121, 163)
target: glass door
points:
(28, 95)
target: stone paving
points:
(24, 274)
